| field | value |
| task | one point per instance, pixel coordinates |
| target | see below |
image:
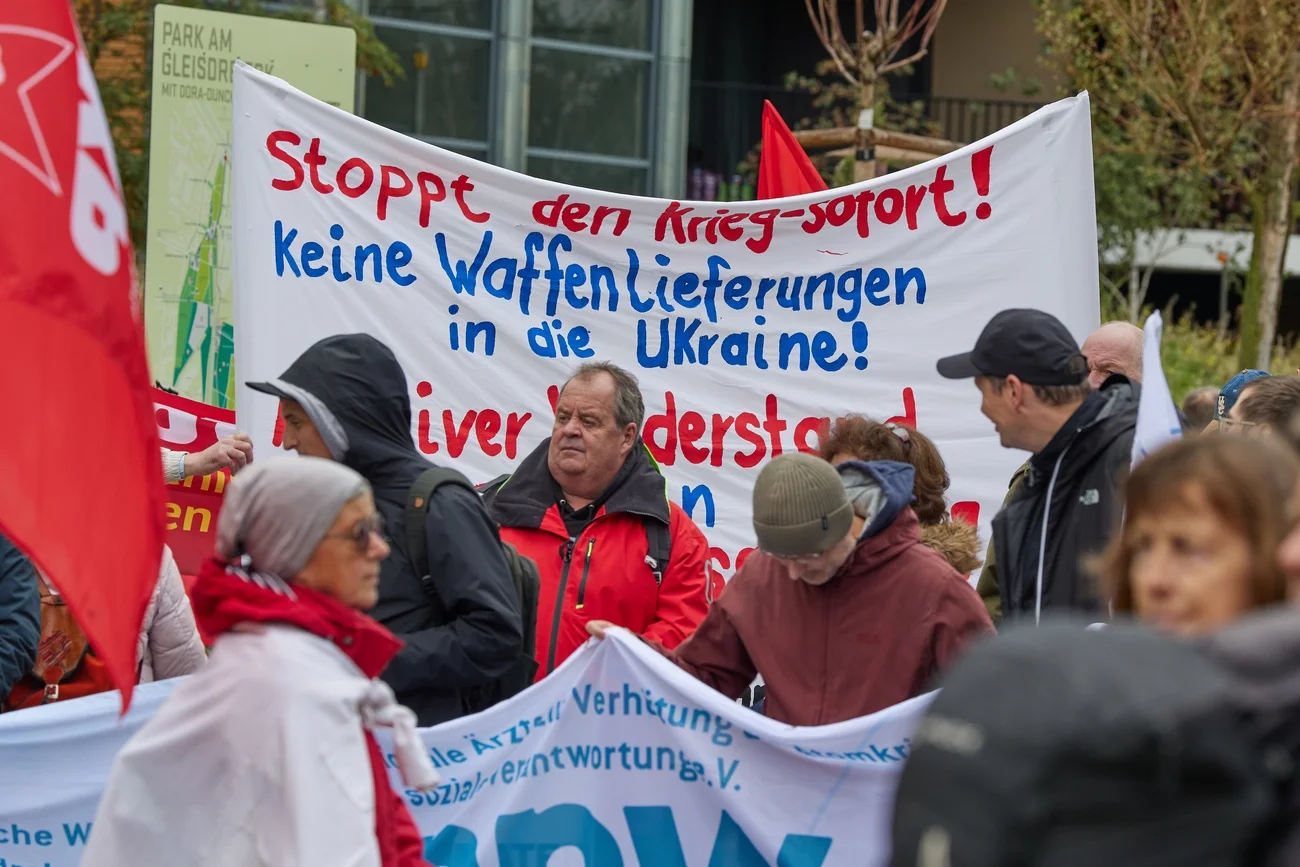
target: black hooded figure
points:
(462, 629)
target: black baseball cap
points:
(1032, 345)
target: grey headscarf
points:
(278, 511)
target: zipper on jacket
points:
(1042, 539)
(586, 569)
(566, 555)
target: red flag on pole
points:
(72, 356)
(783, 167)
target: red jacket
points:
(602, 573)
(895, 615)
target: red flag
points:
(72, 357)
(783, 167)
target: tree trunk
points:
(865, 170)
(1223, 304)
(1251, 291)
(1134, 286)
(1273, 227)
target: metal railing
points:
(959, 119)
(965, 120)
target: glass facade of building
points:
(571, 90)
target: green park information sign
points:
(187, 294)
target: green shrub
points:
(1193, 355)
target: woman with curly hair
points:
(858, 438)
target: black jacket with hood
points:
(354, 390)
(1074, 485)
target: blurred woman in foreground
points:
(266, 756)
(1203, 519)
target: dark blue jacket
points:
(20, 616)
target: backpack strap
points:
(417, 509)
(659, 547)
(489, 490)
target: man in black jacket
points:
(345, 399)
(1034, 383)
(20, 616)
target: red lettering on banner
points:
(515, 426)
(273, 146)
(819, 426)
(484, 425)
(665, 455)
(909, 411)
(693, 427)
(721, 424)
(746, 423)
(694, 437)
(314, 161)
(193, 505)
(968, 511)
(555, 213)
(355, 177)
(422, 440)
(460, 187)
(683, 224)
(457, 435)
(487, 426)
(940, 189)
(390, 190)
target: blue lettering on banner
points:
(531, 837)
(843, 292)
(872, 754)
(692, 496)
(679, 313)
(17, 835)
(631, 702)
(396, 256)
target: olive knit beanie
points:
(800, 506)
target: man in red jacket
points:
(590, 507)
(840, 625)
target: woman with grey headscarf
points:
(266, 756)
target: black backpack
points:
(523, 571)
(1068, 747)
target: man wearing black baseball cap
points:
(1034, 384)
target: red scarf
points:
(224, 597)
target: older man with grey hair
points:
(590, 507)
(1114, 348)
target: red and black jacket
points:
(603, 573)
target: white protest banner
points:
(618, 754)
(750, 325)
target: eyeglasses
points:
(801, 560)
(1228, 423)
(362, 532)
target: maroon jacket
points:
(876, 634)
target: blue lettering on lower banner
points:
(531, 837)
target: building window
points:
(591, 79)
(447, 50)
(613, 23)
